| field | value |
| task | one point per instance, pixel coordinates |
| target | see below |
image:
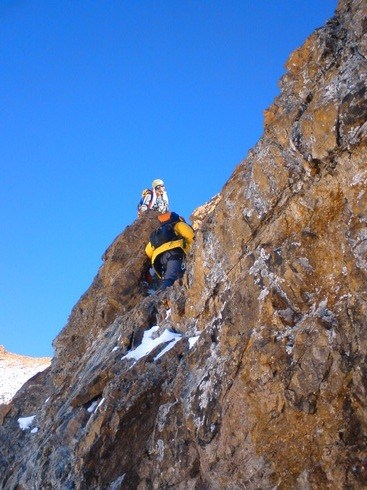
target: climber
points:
(168, 246)
(155, 198)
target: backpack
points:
(144, 193)
(165, 233)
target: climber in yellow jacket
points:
(168, 246)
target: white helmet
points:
(157, 182)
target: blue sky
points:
(98, 98)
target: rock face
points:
(263, 384)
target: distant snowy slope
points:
(15, 370)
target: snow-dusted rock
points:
(251, 372)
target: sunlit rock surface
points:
(260, 381)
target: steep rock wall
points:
(265, 384)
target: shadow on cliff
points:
(116, 290)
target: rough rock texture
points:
(266, 386)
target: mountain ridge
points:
(15, 370)
(255, 375)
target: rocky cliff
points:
(250, 373)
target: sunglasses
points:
(159, 186)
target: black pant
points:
(172, 266)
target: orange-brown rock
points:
(264, 385)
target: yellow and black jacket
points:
(185, 237)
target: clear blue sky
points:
(98, 98)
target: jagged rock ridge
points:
(266, 385)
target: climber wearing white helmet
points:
(155, 198)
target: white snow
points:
(116, 484)
(193, 340)
(263, 294)
(25, 422)
(15, 370)
(169, 346)
(149, 342)
(92, 406)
